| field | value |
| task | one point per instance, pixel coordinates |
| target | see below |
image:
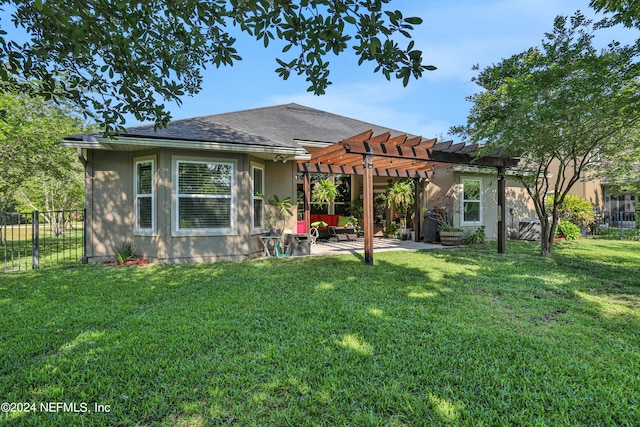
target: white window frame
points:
(254, 197)
(463, 201)
(175, 203)
(138, 231)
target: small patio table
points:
(276, 247)
(265, 242)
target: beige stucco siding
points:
(109, 204)
(445, 189)
(111, 216)
(280, 180)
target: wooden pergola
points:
(402, 157)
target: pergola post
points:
(416, 210)
(306, 189)
(502, 201)
(367, 189)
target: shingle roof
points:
(278, 126)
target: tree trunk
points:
(546, 249)
(546, 238)
(548, 232)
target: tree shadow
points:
(442, 337)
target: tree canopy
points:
(624, 11)
(34, 170)
(118, 57)
(563, 107)
(623, 172)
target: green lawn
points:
(451, 337)
(17, 255)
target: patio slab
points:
(379, 245)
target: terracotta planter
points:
(451, 238)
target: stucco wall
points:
(280, 180)
(110, 207)
(108, 201)
(445, 189)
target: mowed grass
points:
(17, 249)
(451, 337)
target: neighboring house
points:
(621, 208)
(197, 190)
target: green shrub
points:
(449, 227)
(124, 252)
(392, 229)
(568, 230)
(575, 209)
(478, 237)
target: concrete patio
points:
(379, 245)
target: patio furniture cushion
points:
(331, 222)
(343, 220)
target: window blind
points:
(204, 196)
(144, 195)
(258, 201)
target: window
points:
(144, 196)
(471, 201)
(257, 213)
(343, 200)
(316, 208)
(204, 197)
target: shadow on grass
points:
(447, 337)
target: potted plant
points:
(283, 210)
(324, 192)
(392, 229)
(451, 235)
(400, 195)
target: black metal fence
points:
(618, 225)
(41, 239)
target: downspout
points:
(82, 158)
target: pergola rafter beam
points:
(358, 170)
(468, 159)
(402, 157)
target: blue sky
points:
(454, 36)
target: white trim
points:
(102, 143)
(463, 200)
(232, 230)
(313, 144)
(145, 231)
(252, 167)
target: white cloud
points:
(462, 34)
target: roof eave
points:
(102, 143)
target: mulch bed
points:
(130, 262)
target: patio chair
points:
(314, 233)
